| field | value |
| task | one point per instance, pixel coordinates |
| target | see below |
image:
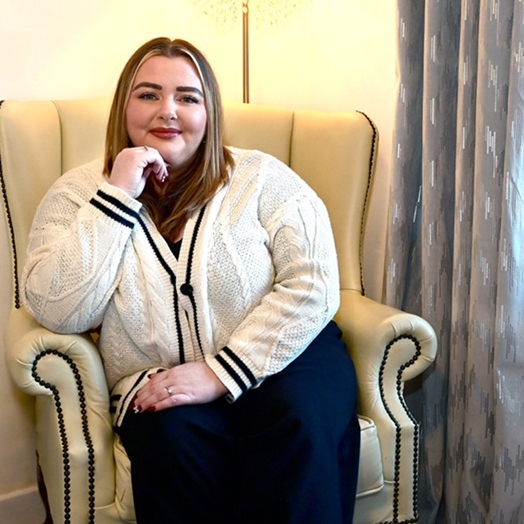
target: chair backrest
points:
(333, 152)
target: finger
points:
(156, 390)
(176, 399)
(153, 164)
(159, 171)
(164, 398)
(133, 166)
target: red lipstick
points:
(166, 133)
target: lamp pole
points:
(245, 51)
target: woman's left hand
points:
(190, 383)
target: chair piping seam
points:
(10, 227)
(396, 481)
(372, 158)
(63, 434)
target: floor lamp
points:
(265, 12)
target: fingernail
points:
(151, 409)
(134, 407)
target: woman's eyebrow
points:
(185, 89)
(148, 84)
(180, 89)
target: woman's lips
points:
(165, 133)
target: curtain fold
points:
(455, 249)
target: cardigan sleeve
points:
(305, 293)
(75, 250)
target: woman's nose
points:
(168, 112)
(168, 115)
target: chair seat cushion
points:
(370, 477)
(124, 494)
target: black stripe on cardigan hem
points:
(240, 364)
(111, 214)
(127, 398)
(234, 375)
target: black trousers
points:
(286, 452)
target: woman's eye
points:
(147, 96)
(188, 99)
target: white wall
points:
(333, 55)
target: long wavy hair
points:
(210, 168)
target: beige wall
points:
(333, 55)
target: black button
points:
(186, 289)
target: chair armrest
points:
(388, 347)
(27, 342)
(73, 423)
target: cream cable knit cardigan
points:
(255, 282)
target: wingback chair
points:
(84, 466)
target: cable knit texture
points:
(255, 282)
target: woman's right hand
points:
(133, 166)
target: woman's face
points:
(166, 109)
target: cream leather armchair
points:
(84, 467)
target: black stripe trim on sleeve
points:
(238, 361)
(111, 214)
(117, 203)
(234, 375)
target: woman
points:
(212, 275)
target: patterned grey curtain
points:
(455, 252)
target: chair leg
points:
(42, 490)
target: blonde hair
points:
(210, 168)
